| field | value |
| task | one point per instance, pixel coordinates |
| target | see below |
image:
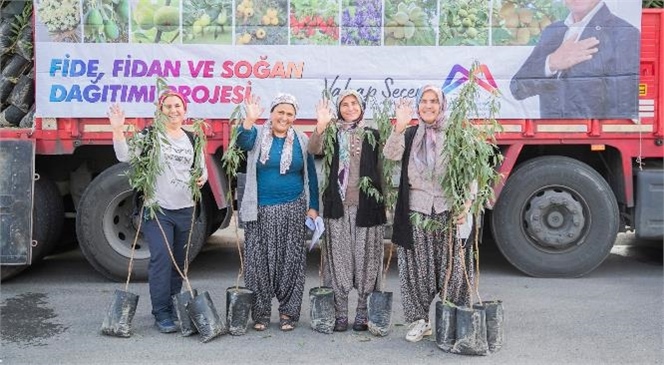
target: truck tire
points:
(216, 218)
(106, 230)
(556, 217)
(47, 221)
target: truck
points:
(568, 185)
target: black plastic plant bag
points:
(494, 324)
(120, 314)
(238, 308)
(23, 94)
(6, 87)
(180, 300)
(28, 120)
(380, 313)
(322, 309)
(205, 317)
(445, 326)
(471, 331)
(14, 68)
(11, 115)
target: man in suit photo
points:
(585, 66)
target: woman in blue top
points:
(280, 192)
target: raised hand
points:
(323, 115)
(404, 113)
(253, 110)
(572, 52)
(116, 117)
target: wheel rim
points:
(119, 227)
(555, 219)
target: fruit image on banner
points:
(62, 18)
(409, 22)
(464, 23)
(207, 21)
(314, 22)
(155, 21)
(261, 22)
(106, 21)
(520, 22)
(360, 22)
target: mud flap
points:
(17, 170)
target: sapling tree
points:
(231, 161)
(146, 165)
(471, 154)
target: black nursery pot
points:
(23, 94)
(205, 317)
(322, 309)
(445, 326)
(471, 331)
(238, 307)
(12, 115)
(494, 324)
(380, 313)
(120, 314)
(14, 68)
(6, 87)
(180, 301)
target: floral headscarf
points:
(360, 101)
(267, 137)
(345, 127)
(168, 93)
(283, 98)
(424, 143)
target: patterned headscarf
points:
(168, 93)
(360, 101)
(424, 144)
(283, 98)
(346, 127)
(267, 136)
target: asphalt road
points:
(52, 313)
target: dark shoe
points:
(361, 323)
(286, 323)
(341, 324)
(166, 326)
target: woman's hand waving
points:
(404, 113)
(253, 111)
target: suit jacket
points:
(605, 86)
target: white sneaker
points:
(420, 328)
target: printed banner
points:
(546, 59)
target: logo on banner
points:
(459, 75)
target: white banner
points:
(75, 79)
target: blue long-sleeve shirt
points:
(273, 187)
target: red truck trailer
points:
(569, 185)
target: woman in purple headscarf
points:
(423, 253)
(354, 217)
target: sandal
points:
(286, 323)
(260, 326)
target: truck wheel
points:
(106, 230)
(216, 218)
(47, 221)
(556, 217)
